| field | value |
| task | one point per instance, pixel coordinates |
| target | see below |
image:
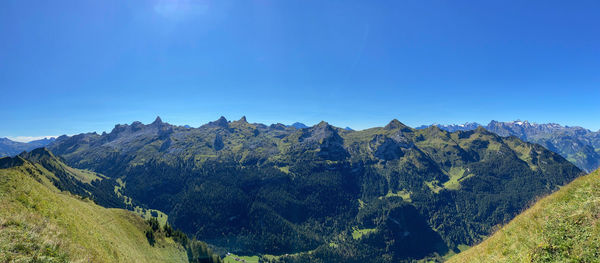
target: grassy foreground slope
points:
(562, 227)
(39, 223)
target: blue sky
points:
(78, 66)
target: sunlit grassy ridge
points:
(563, 227)
(39, 222)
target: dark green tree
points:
(168, 230)
(150, 236)
(153, 222)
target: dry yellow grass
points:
(37, 221)
(562, 227)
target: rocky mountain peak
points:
(277, 126)
(396, 124)
(221, 122)
(136, 125)
(157, 121)
(322, 124)
(37, 154)
(481, 129)
(319, 132)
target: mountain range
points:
(320, 193)
(578, 145)
(11, 148)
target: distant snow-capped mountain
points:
(578, 145)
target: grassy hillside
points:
(39, 223)
(563, 227)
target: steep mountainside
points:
(322, 193)
(99, 188)
(39, 223)
(578, 145)
(12, 148)
(562, 227)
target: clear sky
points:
(78, 66)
